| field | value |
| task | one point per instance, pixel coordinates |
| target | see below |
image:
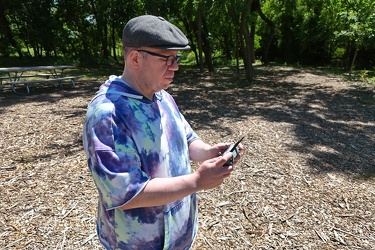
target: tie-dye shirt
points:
(128, 140)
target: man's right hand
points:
(211, 173)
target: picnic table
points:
(14, 76)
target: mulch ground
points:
(305, 181)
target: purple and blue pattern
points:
(128, 140)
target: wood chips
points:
(305, 181)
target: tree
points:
(220, 31)
(358, 19)
(7, 37)
(269, 38)
(247, 44)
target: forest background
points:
(335, 33)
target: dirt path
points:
(306, 180)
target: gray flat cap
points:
(154, 32)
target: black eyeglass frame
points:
(176, 58)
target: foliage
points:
(357, 30)
(313, 32)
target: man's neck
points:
(133, 83)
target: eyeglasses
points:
(169, 59)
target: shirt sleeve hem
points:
(123, 204)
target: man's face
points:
(155, 72)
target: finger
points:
(238, 157)
(227, 171)
(225, 158)
(215, 159)
(223, 146)
(220, 160)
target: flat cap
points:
(155, 32)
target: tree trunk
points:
(246, 49)
(190, 35)
(199, 38)
(353, 61)
(5, 29)
(207, 47)
(252, 39)
(104, 40)
(113, 38)
(235, 21)
(271, 34)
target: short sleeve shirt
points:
(128, 140)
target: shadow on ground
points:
(341, 119)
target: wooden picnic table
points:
(35, 74)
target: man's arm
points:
(160, 191)
(200, 151)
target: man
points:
(139, 147)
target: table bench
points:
(26, 83)
(44, 74)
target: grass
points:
(99, 70)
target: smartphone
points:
(234, 150)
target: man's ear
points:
(134, 58)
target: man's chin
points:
(166, 83)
